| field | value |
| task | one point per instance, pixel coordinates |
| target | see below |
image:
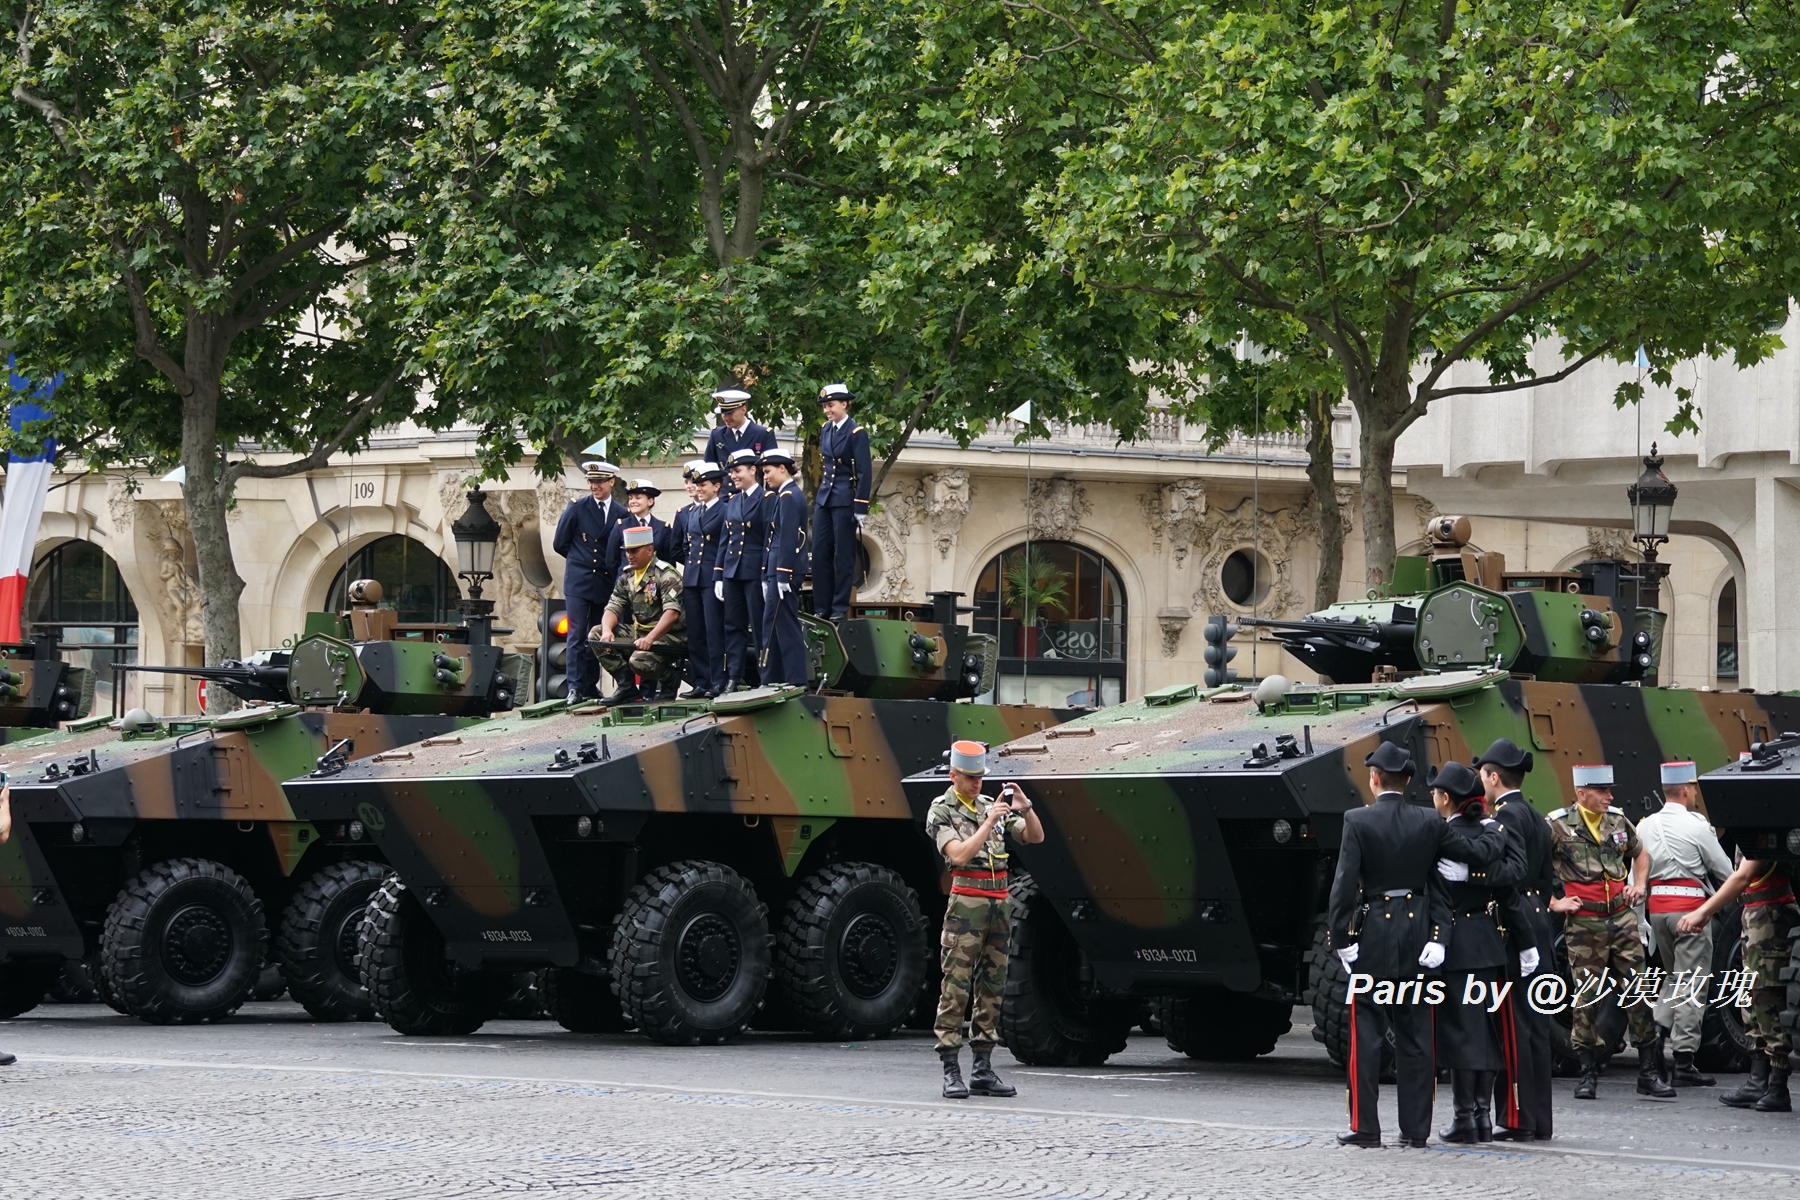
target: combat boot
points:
(7, 1059)
(1484, 1098)
(667, 688)
(1687, 1074)
(627, 694)
(1750, 1091)
(1776, 1098)
(1650, 1076)
(983, 1081)
(954, 1087)
(1589, 1083)
(1462, 1092)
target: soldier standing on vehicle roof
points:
(840, 505)
(785, 559)
(1603, 869)
(1525, 1093)
(705, 611)
(640, 499)
(1384, 922)
(648, 594)
(1769, 913)
(1685, 861)
(582, 537)
(736, 431)
(1486, 914)
(737, 580)
(970, 832)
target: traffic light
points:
(553, 651)
(1219, 651)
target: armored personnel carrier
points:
(1193, 833)
(160, 850)
(672, 866)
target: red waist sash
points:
(988, 884)
(1602, 895)
(1773, 888)
(1675, 895)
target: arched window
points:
(1059, 613)
(1728, 631)
(76, 592)
(416, 583)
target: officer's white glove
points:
(860, 518)
(1528, 961)
(782, 589)
(1432, 956)
(1452, 870)
(1347, 954)
(718, 589)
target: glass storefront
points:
(1058, 610)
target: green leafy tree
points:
(1460, 199)
(203, 230)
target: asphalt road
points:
(271, 1106)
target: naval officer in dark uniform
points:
(841, 504)
(706, 613)
(1388, 926)
(583, 536)
(736, 431)
(1522, 1100)
(785, 559)
(738, 577)
(1486, 913)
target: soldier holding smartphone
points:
(970, 831)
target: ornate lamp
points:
(1652, 500)
(477, 534)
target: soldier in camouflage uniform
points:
(970, 833)
(1602, 871)
(648, 594)
(1769, 913)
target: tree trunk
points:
(812, 463)
(206, 497)
(1320, 469)
(1377, 502)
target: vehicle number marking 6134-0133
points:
(1168, 955)
(506, 935)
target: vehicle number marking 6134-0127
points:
(1168, 955)
(506, 935)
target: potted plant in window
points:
(1031, 585)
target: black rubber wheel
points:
(1220, 1025)
(318, 940)
(522, 1001)
(184, 943)
(1045, 1018)
(24, 985)
(850, 953)
(1327, 982)
(579, 1000)
(103, 991)
(691, 954)
(73, 985)
(400, 960)
(1725, 1043)
(270, 983)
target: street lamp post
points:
(477, 534)
(1652, 498)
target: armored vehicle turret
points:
(162, 850)
(675, 866)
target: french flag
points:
(27, 483)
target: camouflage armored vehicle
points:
(1193, 833)
(671, 866)
(161, 850)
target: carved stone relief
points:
(119, 504)
(452, 494)
(1173, 621)
(1275, 532)
(1176, 511)
(947, 496)
(1609, 543)
(177, 598)
(1055, 508)
(901, 510)
(517, 601)
(552, 499)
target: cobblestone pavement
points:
(271, 1107)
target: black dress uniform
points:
(583, 536)
(723, 441)
(1382, 902)
(1523, 1098)
(843, 496)
(740, 570)
(706, 615)
(785, 561)
(664, 543)
(1484, 910)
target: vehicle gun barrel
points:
(245, 680)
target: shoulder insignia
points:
(1561, 812)
(1611, 809)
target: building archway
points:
(77, 593)
(1060, 618)
(415, 583)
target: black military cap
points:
(1391, 758)
(1504, 754)
(1459, 780)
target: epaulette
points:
(1611, 809)
(1561, 812)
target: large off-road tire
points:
(400, 960)
(103, 989)
(1327, 982)
(1045, 1019)
(23, 985)
(1725, 1041)
(581, 1001)
(73, 985)
(1220, 1025)
(691, 954)
(850, 953)
(184, 943)
(317, 944)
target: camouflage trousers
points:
(1766, 952)
(1594, 943)
(661, 661)
(974, 949)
